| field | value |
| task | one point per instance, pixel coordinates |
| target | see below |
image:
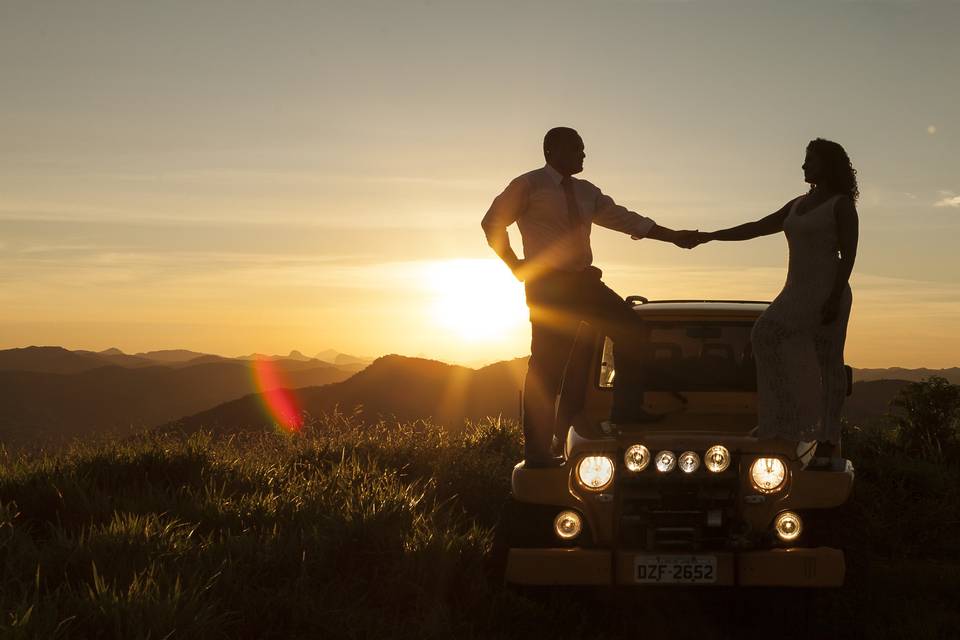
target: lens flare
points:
(279, 401)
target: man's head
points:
(563, 149)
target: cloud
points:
(948, 201)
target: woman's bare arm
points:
(765, 226)
(848, 232)
(848, 228)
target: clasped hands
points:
(688, 239)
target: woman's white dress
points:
(801, 382)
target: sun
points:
(478, 300)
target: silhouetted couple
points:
(798, 341)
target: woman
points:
(798, 341)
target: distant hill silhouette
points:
(50, 360)
(50, 394)
(60, 360)
(293, 355)
(912, 375)
(121, 359)
(335, 357)
(393, 386)
(288, 365)
(328, 355)
(171, 355)
(202, 360)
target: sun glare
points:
(478, 300)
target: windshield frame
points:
(673, 321)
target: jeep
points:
(694, 498)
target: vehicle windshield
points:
(696, 355)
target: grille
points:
(676, 511)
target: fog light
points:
(666, 461)
(768, 474)
(595, 472)
(637, 457)
(688, 461)
(567, 525)
(717, 458)
(789, 526)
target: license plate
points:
(675, 569)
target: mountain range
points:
(393, 387)
(50, 394)
(912, 375)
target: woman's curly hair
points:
(839, 174)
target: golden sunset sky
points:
(234, 177)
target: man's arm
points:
(611, 215)
(504, 211)
(665, 234)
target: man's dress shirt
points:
(537, 203)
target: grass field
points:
(352, 530)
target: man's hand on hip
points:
(520, 269)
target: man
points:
(555, 212)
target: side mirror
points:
(849, 371)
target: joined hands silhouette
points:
(688, 239)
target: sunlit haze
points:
(261, 177)
(476, 301)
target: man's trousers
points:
(559, 301)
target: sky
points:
(233, 177)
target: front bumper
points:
(796, 567)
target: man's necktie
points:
(573, 209)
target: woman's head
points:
(828, 166)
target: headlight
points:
(637, 457)
(788, 525)
(567, 525)
(768, 474)
(666, 461)
(688, 461)
(595, 472)
(717, 458)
